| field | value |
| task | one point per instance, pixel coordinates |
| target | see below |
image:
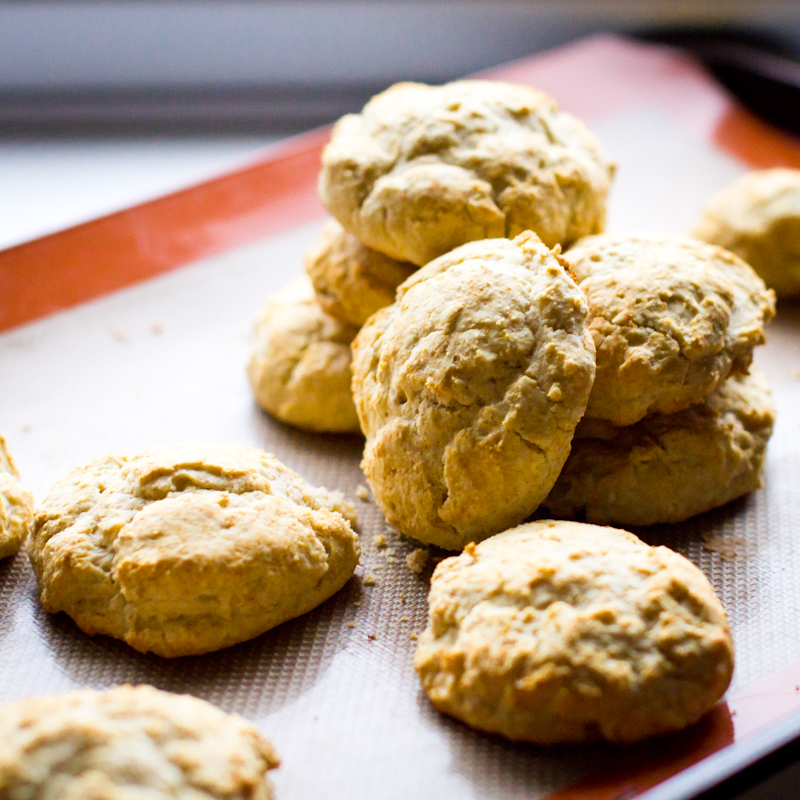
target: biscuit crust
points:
(688, 462)
(16, 506)
(129, 743)
(185, 550)
(565, 632)
(671, 318)
(758, 218)
(299, 365)
(423, 169)
(469, 388)
(352, 281)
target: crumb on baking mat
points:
(417, 559)
(728, 548)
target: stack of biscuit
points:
(419, 172)
(509, 356)
(628, 354)
(676, 423)
(496, 384)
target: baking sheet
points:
(164, 362)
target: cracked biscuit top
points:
(16, 506)
(188, 549)
(130, 743)
(758, 218)
(469, 387)
(671, 318)
(299, 365)
(423, 169)
(564, 632)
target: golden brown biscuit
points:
(758, 218)
(469, 388)
(564, 632)
(668, 467)
(184, 550)
(351, 280)
(671, 318)
(300, 362)
(423, 169)
(16, 506)
(130, 743)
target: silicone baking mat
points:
(133, 330)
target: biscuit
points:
(423, 169)
(16, 506)
(671, 318)
(668, 467)
(184, 550)
(565, 632)
(300, 363)
(469, 387)
(130, 743)
(758, 218)
(352, 281)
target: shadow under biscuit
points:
(499, 769)
(686, 536)
(788, 311)
(717, 530)
(253, 678)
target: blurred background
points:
(106, 104)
